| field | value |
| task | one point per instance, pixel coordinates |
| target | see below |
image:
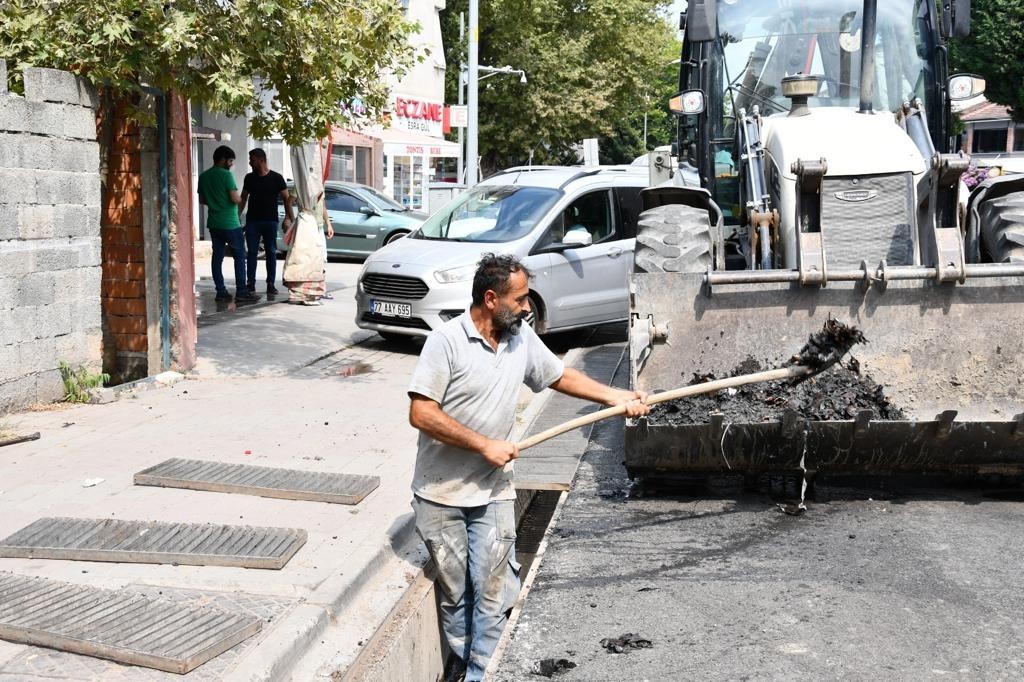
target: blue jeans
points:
(267, 231)
(220, 239)
(474, 551)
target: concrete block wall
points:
(50, 247)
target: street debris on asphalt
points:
(549, 667)
(624, 643)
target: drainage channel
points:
(409, 645)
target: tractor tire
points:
(673, 238)
(1002, 228)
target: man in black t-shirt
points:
(260, 190)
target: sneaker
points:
(271, 290)
(251, 288)
(246, 297)
(327, 297)
(222, 296)
(311, 303)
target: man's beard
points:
(507, 321)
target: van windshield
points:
(490, 213)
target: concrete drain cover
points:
(247, 479)
(121, 626)
(151, 542)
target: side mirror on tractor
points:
(965, 86)
(687, 103)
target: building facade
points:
(400, 158)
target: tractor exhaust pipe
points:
(867, 56)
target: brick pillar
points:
(182, 248)
(123, 291)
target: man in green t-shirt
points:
(218, 191)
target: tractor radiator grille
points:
(867, 218)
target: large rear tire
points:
(1002, 228)
(673, 238)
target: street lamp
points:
(474, 79)
(463, 79)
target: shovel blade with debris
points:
(943, 367)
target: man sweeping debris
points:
(463, 400)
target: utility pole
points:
(471, 135)
(462, 72)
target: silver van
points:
(573, 227)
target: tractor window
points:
(762, 41)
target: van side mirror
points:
(577, 238)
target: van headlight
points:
(452, 275)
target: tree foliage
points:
(995, 51)
(592, 68)
(294, 66)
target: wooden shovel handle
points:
(674, 394)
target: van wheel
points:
(536, 317)
(673, 238)
(1002, 228)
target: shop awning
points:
(400, 142)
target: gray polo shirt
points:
(479, 388)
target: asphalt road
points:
(921, 583)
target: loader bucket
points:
(950, 355)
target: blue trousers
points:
(254, 232)
(219, 239)
(474, 551)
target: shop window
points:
(342, 164)
(363, 165)
(989, 141)
(408, 180)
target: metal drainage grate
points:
(151, 542)
(288, 484)
(117, 625)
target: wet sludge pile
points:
(836, 394)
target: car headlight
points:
(366, 266)
(452, 275)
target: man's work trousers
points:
(474, 551)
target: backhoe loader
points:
(830, 187)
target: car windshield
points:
(766, 40)
(490, 213)
(383, 201)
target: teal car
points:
(364, 219)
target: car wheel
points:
(394, 337)
(536, 316)
(394, 236)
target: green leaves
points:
(995, 51)
(592, 67)
(307, 58)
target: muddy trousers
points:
(474, 552)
